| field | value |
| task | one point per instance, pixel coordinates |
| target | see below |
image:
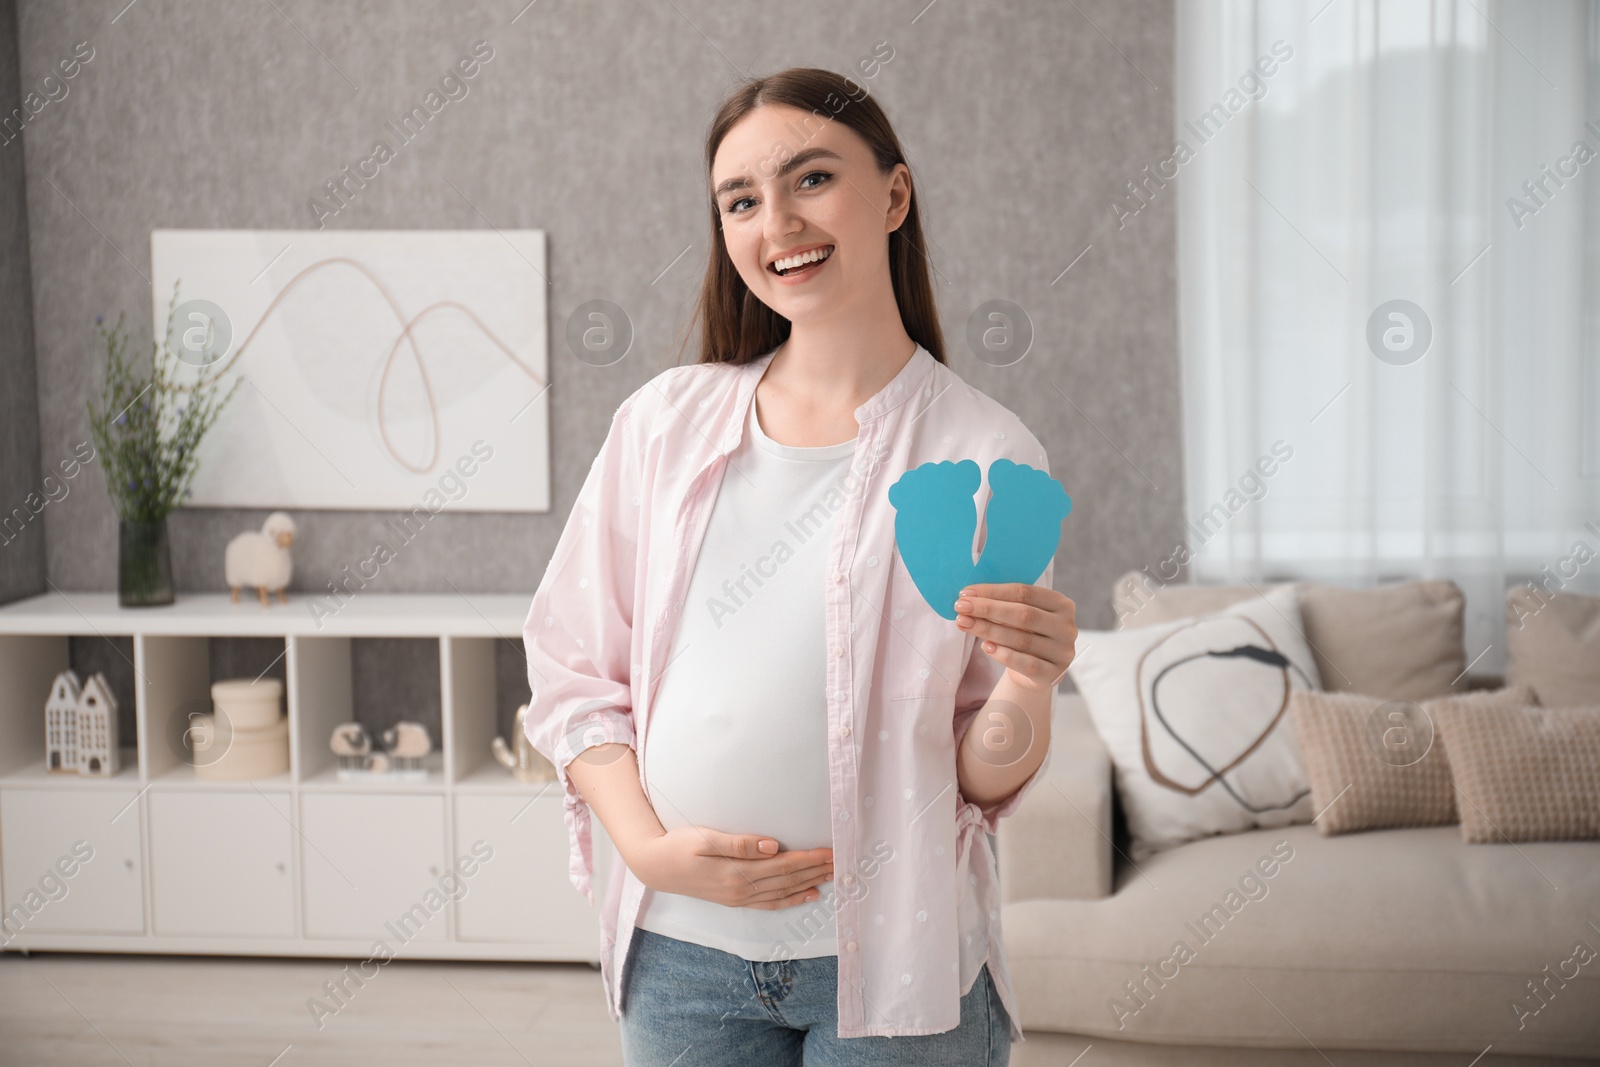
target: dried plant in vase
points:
(147, 430)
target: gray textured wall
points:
(1022, 121)
(21, 542)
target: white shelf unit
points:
(303, 863)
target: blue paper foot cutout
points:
(934, 524)
(936, 519)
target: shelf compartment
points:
(376, 682)
(522, 893)
(175, 673)
(369, 863)
(485, 681)
(222, 864)
(29, 664)
(94, 833)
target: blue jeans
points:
(688, 1005)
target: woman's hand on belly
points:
(729, 869)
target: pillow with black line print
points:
(1195, 715)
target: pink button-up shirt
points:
(902, 681)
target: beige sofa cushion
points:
(1374, 764)
(1524, 774)
(1199, 736)
(1069, 815)
(1140, 600)
(1401, 641)
(1553, 644)
(1394, 939)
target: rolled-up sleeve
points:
(579, 629)
(978, 680)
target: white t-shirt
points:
(738, 734)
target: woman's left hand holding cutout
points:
(1029, 629)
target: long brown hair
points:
(736, 327)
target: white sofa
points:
(1392, 947)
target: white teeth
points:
(802, 259)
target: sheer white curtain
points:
(1356, 181)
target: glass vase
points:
(144, 564)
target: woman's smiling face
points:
(787, 184)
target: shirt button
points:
(844, 731)
(838, 577)
(850, 946)
(849, 879)
(838, 650)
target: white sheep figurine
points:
(352, 744)
(406, 744)
(261, 558)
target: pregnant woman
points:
(796, 757)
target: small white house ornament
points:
(80, 726)
(260, 558)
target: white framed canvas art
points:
(381, 369)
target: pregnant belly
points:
(742, 772)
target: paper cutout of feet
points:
(936, 520)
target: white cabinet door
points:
(93, 833)
(372, 866)
(523, 894)
(220, 863)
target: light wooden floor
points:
(175, 1011)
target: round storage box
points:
(248, 703)
(239, 755)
